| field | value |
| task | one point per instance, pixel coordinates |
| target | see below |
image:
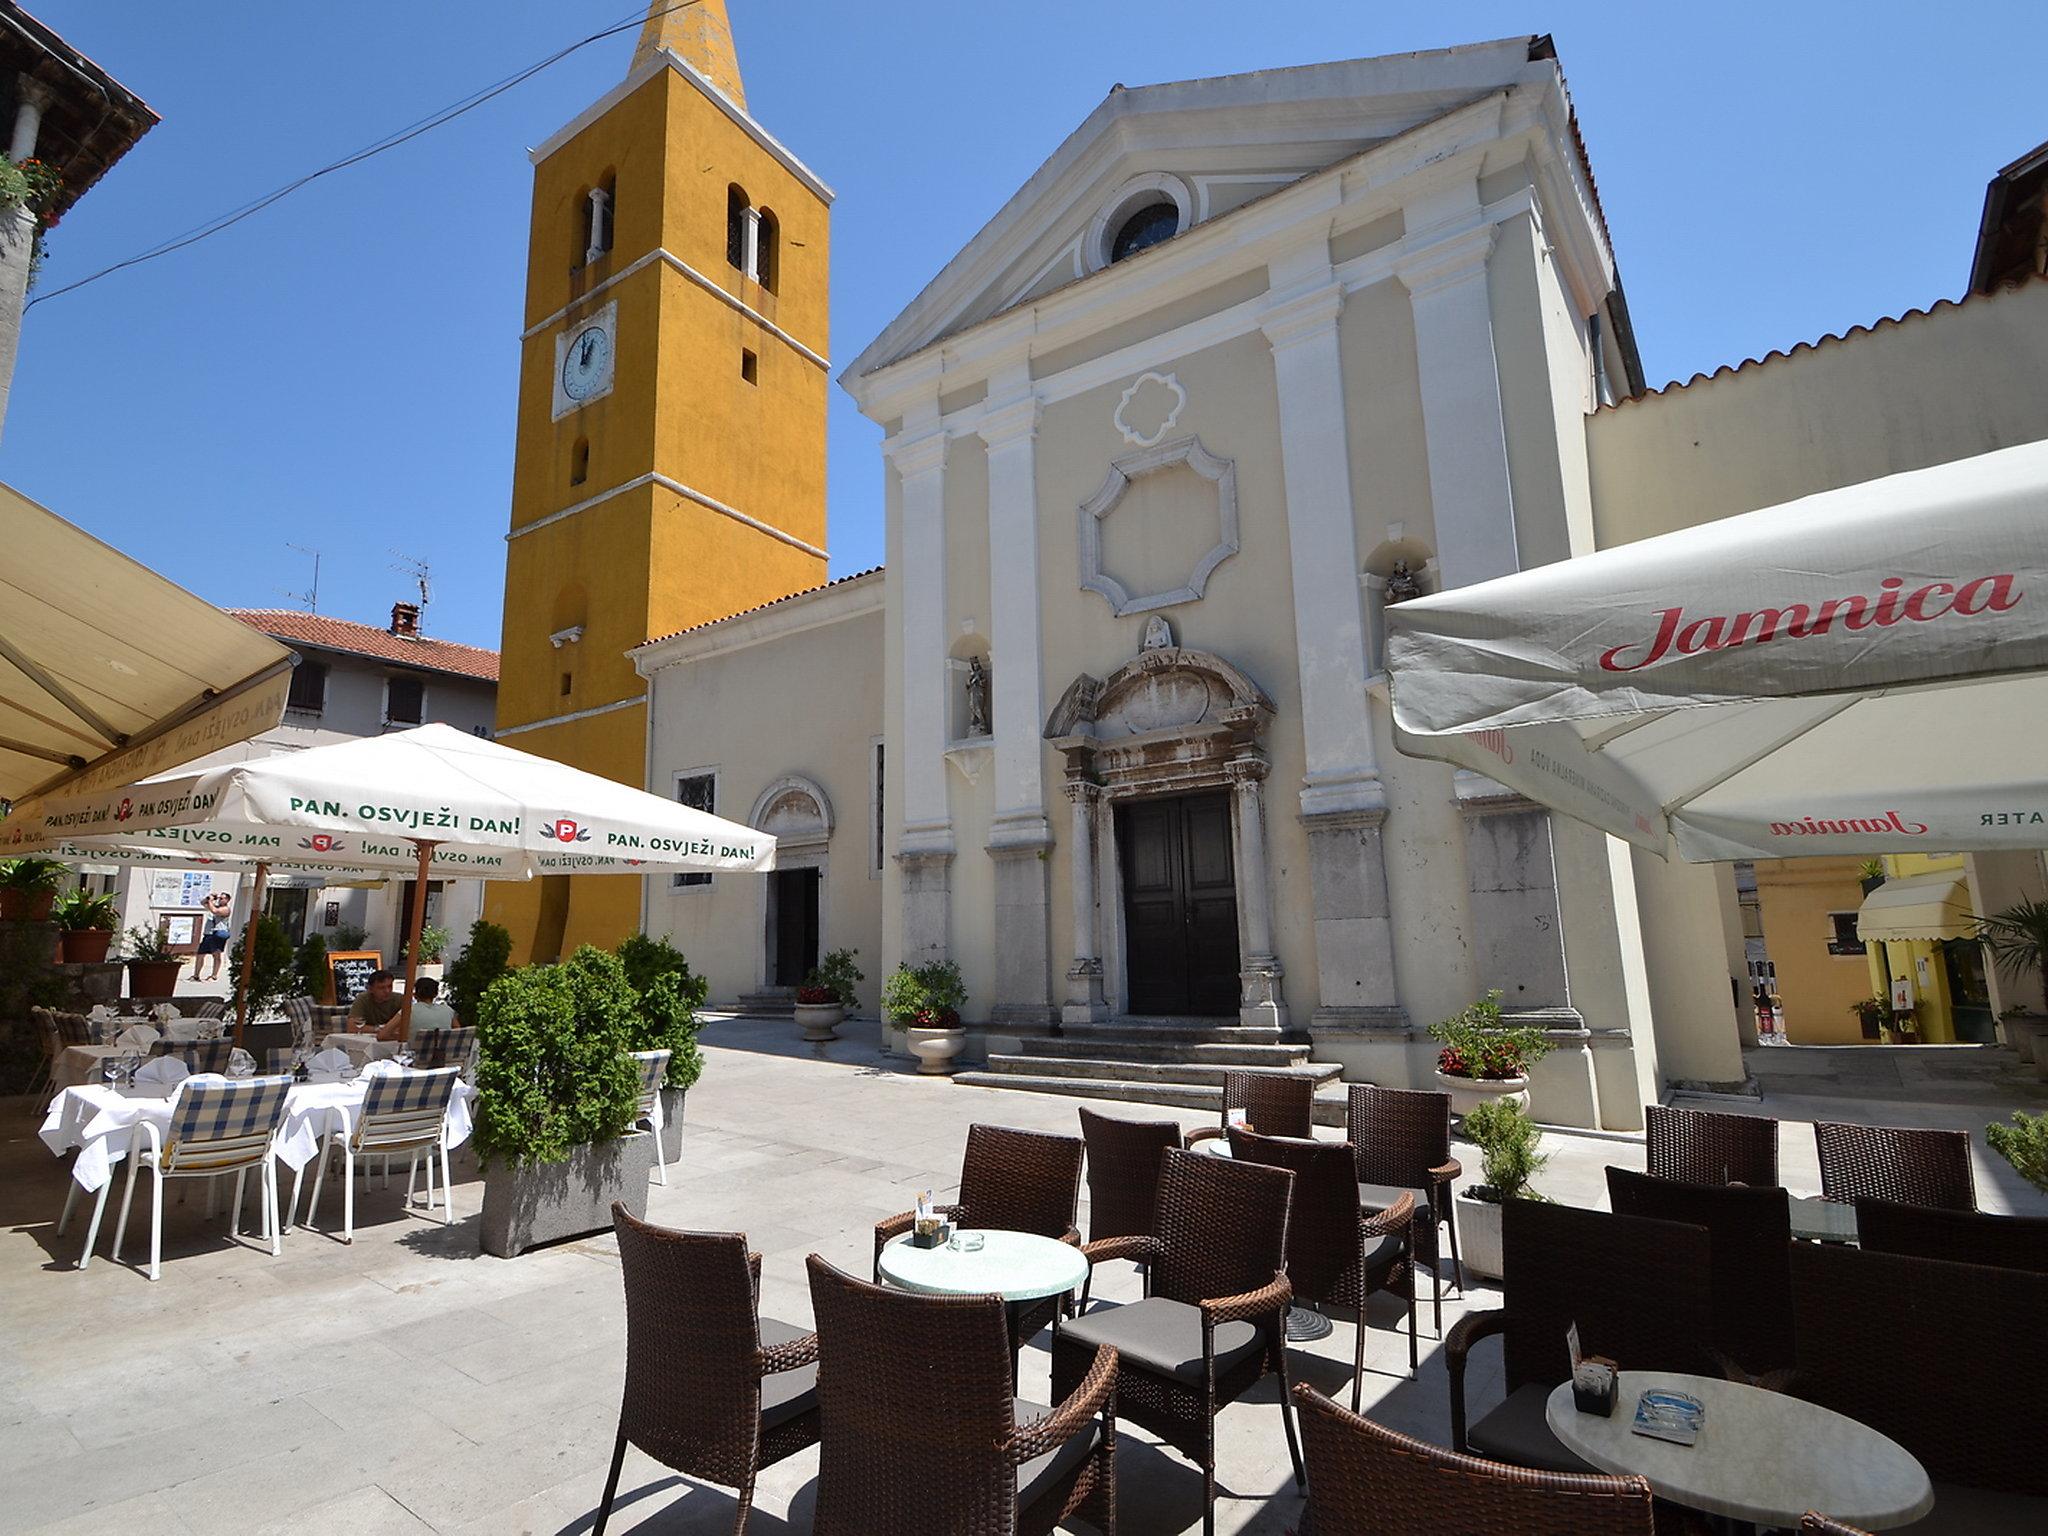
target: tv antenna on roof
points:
(419, 572)
(311, 596)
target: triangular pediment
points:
(1210, 146)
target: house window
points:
(875, 821)
(1843, 938)
(405, 700)
(579, 461)
(699, 791)
(767, 248)
(1150, 225)
(750, 366)
(567, 682)
(739, 222)
(309, 687)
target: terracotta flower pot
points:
(26, 906)
(85, 946)
(1468, 1093)
(153, 978)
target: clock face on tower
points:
(584, 354)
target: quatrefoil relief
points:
(1186, 519)
(1149, 408)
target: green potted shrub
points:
(152, 965)
(86, 923)
(669, 994)
(433, 945)
(828, 995)
(924, 1002)
(556, 1095)
(28, 888)
(2024, 1144)
(313, 977)
(275, 975)
(1483, 1057)
(2017, 940)
(1870, 874)
(486, 957)
(1509, 1158)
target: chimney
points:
(405, 620)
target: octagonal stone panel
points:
(1187, 452)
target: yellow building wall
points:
(1934, 1010)
(648, 560)
(1795, 898)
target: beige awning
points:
(108, 672)
(1917, 907)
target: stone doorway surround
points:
(1167, 721)
(797, 812)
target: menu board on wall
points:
(348, 973)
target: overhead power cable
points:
(389, 142)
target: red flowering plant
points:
(1478, 1043)
(817, 997)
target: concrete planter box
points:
(1479, 1236)
(527, 1206)
(820, 1021)
(672, 1123)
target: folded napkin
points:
(332, 1059)
(100, 1012)
(241, 1063)
(163, 1069)
(163, 1013)
(181, 1029)
(383, 1066)
(137, 1037)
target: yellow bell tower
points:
(670, 463)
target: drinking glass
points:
(110, 1067)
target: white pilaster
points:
(1085, 1000)
(919, 455)
(32, 99)
(1329, 621)
(1260, 1002)
(1463, 429)
(1011, 429)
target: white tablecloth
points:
(100, 1121)
(81, 1064)
(362, 1047)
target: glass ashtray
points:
(966, 1242)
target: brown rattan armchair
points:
(922, 1430)
(713, 1389)
(1401, 1140)
(1639, 1291)
(1215, 1322)
(1888, 1162)
(1938, 1356)
(1336, 1251)
(1751, 1232)
(1274, 1104)
(1959, 1237)
(1123, 1172)
(1368, 1480)
(1704, 1146)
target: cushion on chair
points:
(1517, 1433)
(1960, 1511)
(1377, 1197)
(1162, 1336)
(1038, 1476)
(786, 1394)
(1382, 1251)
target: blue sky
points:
(339, 371)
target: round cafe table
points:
(1020, 1267)
(1823, 1221)
(1762, 1457)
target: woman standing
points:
(213, 939)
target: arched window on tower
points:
(739, 228)
(767, 248)
(600, 211)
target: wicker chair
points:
(1702, 1146)
(713, 1389)
(1401, 1139)
(1215, 1322)
(1751, 1232)
(1368, 1480)
(922, 1430)
(1959, 1237)
(1274, 1104)
(1930, 1354)
(1639, 1291)
(1123, 1174)
(1337, 1251)
(1014, 1181)
(1811, 1524)
(1886, 1162)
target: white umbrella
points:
(1862, 671)
(422, 802)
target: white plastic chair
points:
(216, 1128)
(653, 1068)
(403, 1112)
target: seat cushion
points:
(1517, 1433)
(1979, 1512)
(1040, 1475)
(1382, 1251)
(1377, 1197)
(1162, 1336)
(786, 1394)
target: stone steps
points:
(1330, 1102)
(1207, 1074)
(1215, 1053)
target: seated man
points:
(428, 1011)
(375, 1007)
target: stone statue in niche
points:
(977, 697)
(1158, 634)
(1402, 584)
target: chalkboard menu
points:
(348, 972)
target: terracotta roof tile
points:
(367, 640)
(691, 629)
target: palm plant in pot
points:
(153, 965)
(827, 995)
(556, 1095)
(1485, 1058)
(85, 923)
(1509, 1159)
(2018, 941)
(925, 1002)
(28, 888)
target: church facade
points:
(1246, 360)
